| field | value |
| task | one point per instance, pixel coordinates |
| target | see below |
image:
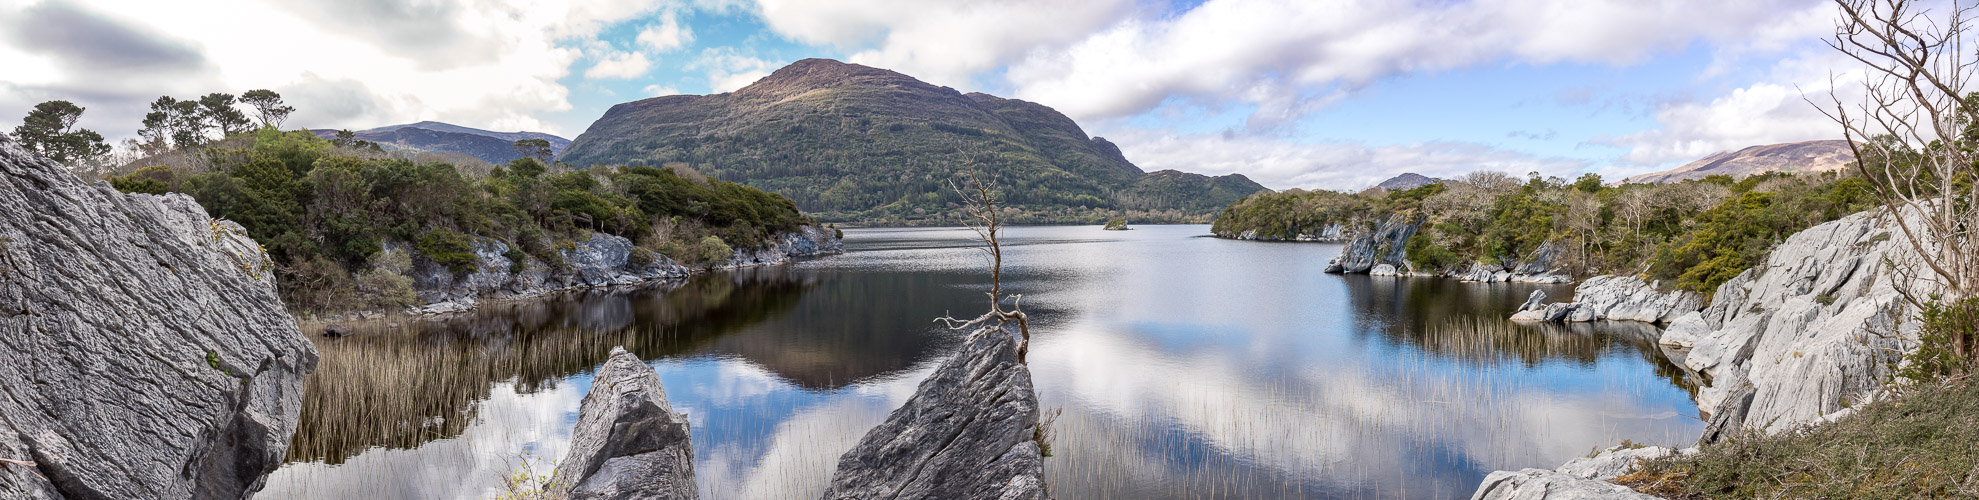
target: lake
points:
(1184, 366)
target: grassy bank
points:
(1922, 444)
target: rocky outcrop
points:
(1543, 265)
(1580, 478)
(1385, 245)
(628, 443)
(601, 260)
(1808, 334)
(1330, 233)
(143, 350)
(968, 432)
(1616, 298)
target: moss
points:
(451, 249)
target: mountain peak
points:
(815, 73)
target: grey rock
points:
(1386, 244)
(1534, 302)
(628, 442)
(334, 331)
(1813, 330)
(1685, 330)
(1623, 298)
(1613, 462)
(1542, 484)
(1383, 270)
(966, 433)
(144, 352)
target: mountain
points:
(1810, 156)
(853, 143)
(492, 147)
(1407, 181)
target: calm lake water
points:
(1185, 367)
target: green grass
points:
(1924, 444)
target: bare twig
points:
(980, 206)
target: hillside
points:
(492, 147)
(1792, 157)
(854, 143)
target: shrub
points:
(714, 250)
(451, 249)
(1946, 327)
(384, 285)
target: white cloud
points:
(1280, 163)
(667, 35)
(945, 42)
(729, 69)
(620, 65)
(1768, 112)
(660, 90)
(481, 64)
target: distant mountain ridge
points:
(854, 143)
(1797, 157)
(489, 146)
(1407, 181)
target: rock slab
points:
(144, 352)
(1616, 298)
(966, 433)
(628, 443)
(1579, 478)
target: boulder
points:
(144, 352)
(1535, 301)
(628, 443)
(1384, 270)
(1580, 478)
(1623, 298)
(1542, 484)
(334, 331)
(968, 432)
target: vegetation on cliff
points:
(325, 211)
(1693, 234)
(853, 143)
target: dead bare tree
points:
(1913, 132)
(979, 203)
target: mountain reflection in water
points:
(1185, 367)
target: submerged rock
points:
(144, 352)
(968, 432)
(628, 443)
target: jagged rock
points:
(628, 442)
(1813, 330)
(1622, 298)
(1383, 270)
(966, 433)
(1538, 484)
(144, 352)
(1580, 478)
(1385, 245)
(1534, 302)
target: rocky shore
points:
(144, 352)
(1384, 252)
(1797, 341)
(601, 260)
(1330, 233)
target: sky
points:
(1310, 94)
